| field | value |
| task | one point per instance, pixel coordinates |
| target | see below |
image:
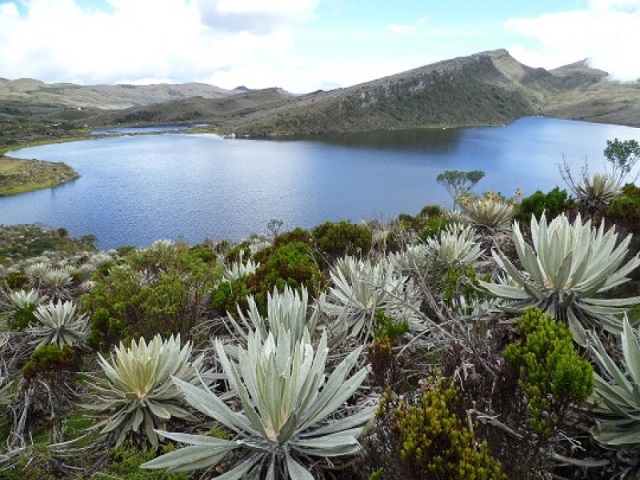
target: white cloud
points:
(138, 41)
(607, 32)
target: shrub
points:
(50, 360)
(553, 377)
(428, 439)
(290, 264)
(155, 291)
(624, 209)
(551, 204)
(342, 238)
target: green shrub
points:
(624, 209)
(162, 290)
(22, 317)
(553, 204)
(291, 264)
(432, 227)
(336, 240)
(553, 376)
(238, 252)
(431, 211)
(388, 333)
(50, 360)
(429, 439)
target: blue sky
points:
(302, 45)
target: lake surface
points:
(134, 190)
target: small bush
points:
(624, 210)
(291, 264)
(336, 240)
(431, 211)
(553, 376)
(429, 439)
(49, 361)
(162, 290)
(553, 204)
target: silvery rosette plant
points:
(360, 288)
(597, 189)
(137, 394)
(564, 269)
(489, 212)
(58, 323)
(457, 244)
(56, 282)
(286, 400)
(286, 310)
(617, 401)
(240, 269)
(19, 299)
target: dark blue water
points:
(134, 190)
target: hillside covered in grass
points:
(488, 88)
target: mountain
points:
(488, 88)
(33, 91)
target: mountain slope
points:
(102, 96)
(481, 89)
(487, 88)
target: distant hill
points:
(487, 88)
(103, 96)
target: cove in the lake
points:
(137, 189)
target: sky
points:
(302, 45)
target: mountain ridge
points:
(486, 88)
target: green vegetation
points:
(553, 377)
(431, 440)
(551, 204)
(161, 290)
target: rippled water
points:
(134, 190)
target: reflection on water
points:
(136, 189)
(418, 139)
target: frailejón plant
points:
(286, 400)
(285, 311)
(564, 269)
(58, 323)
(137, 394)
(617, 409)
(489, 212)
(360, 288)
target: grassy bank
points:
(20, 176)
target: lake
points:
(137, 189)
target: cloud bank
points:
(606, 32)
